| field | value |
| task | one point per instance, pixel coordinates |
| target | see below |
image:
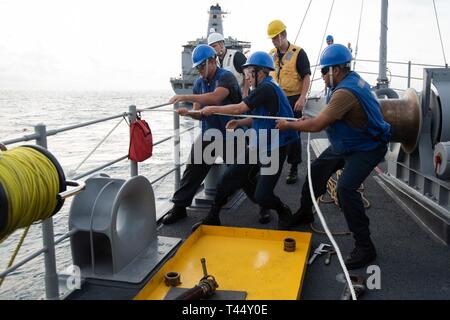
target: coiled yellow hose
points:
(30, 184)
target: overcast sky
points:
(136, 44)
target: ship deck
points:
(413, 263)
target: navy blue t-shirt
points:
(222, 79)
(264, 95)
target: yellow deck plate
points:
(250, 260)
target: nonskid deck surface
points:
(412, 264)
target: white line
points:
(324, 223)
(233, 115)
(255, 117)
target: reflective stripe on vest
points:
(287, 75)
(285, 110)
(343, 137)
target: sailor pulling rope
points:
(196, 114)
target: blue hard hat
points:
(260, 59)
(334, 55)
(202, 53)
(330, 37)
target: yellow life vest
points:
(286, 72)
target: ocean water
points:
(20, 111)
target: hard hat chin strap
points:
(256, 76)
(331, 78)
(206, 69)
(223, 50)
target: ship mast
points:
(382, 80)
(215, 19)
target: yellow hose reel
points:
(33, 187)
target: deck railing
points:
(40, 136)
(408, 74)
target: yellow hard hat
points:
(275, 28)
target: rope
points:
(162, 110)
(357, 38)
(156, 107)
(72, 173)
(324, 223)
(332, 191)
(321, 46)
(301, 25)
(244, 116)
(31, 184)
(440, 35)
(16, 252)
(334, 233)
(254, 116)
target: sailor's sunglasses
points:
(201, 66)
(325, 70)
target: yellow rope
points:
(16, 251)
(31, 184)
(332, 192)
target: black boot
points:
(264, 215)
(174, 214)
(361, 256)
(284, 217)
(212, 219)
(292, 177)
(302, 216)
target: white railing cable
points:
(359, 31)
(73, 172)
(440, 34)
(301, 25)
(321, 46)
